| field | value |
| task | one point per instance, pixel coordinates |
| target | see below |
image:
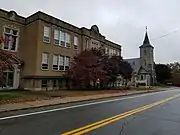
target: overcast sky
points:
(121, 21)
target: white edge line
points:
(76, 106)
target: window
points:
(150, 66)
(11, 37)
(145, 62)
(60, 83)
(67, 60)
(55, 62)
(106, 50)
(114, 52)
(61, 62)
(45, 61)
(110, 51)
(44, 83)
(56, 36)
(145, 52)
(118, 54)
(75, 42)
(142, 77)
(62, 34)
(62, 38)
(87, 44)
(134, 63)
(54, 83)
(68, 41)
(46, 37)
(95, 44)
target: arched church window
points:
(145, 62)
(145, 52)
(133, 62)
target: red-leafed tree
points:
(7, 59)
(87, 69)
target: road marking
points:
(104, 122)
(81, 105)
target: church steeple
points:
(146, 42)
(146, 39)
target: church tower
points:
(147, 57)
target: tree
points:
(163, 73)
(93, 65)
(112, 66)
(175, 70)
(117, 66)
(7, 59)
(126, 70)
(175, 67)
(86, 69)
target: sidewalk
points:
(56, 101)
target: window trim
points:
(49, 34)
(17, 40)
(42, 83)
(56, 84)
(75, 48)
(60, 37)
(42, 60)
(64, 62)
(57, 62)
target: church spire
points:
(146, 39)
(146, 42)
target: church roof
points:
(135, 64)
(146, 42)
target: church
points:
(144, 66)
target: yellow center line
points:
(104, 122)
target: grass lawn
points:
(22, 96)
(9, 95)
(16, 96)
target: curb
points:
(79, 101)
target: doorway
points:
(8, 79)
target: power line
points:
(166, 34)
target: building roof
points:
(135, 64)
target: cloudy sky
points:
(121, 21)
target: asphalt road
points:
(160, 117)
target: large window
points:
(62, 38)
(106, 50)
(75, 42)
(61, 62)
(110, 52)
(46, 37)
(55, 62)
(11, 37)
(68, 40)
(45, 61)
(118, 53)
(56, 37)
(67, 61)
(87, 43)
(144, 62)
(44, 83)
(54, 83)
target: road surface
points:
(146, 114)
